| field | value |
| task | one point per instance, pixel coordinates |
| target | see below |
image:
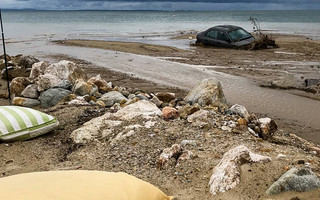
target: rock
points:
(57, 72)
(188, 142)
(142, 97)
(267, 128)
(166, 96)
(38, 69)
(101, 103)
(185, 155)
(31, 91)
(64, 84)
(52, 96)
(169, 113)
(26, 102)
(27, 61)
(242, 121)
(226, 128)
(175, 151)
(252, 132)
(97, 127)
(100, 83)
(82, 88)
(116, 106)
(208, 92)
(18, 84)
(226, 175)
(299, 180)
(201, 117)
(3, 66)
(122, 90)
(186, 110)
(15, 72)
(112, 97)
(47, 81)
(7, 57)
(141, 108)
(131, 96)
(156, 100)
(78, 101)
(240, 110)
(280, 156)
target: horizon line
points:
(146, 10)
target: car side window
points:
(212, 34)
(222, 36)
(218, 35)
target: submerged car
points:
(225, 36)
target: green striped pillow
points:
(21, 123)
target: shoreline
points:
(298, 114)
(240, 67)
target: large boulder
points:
(52, 96)
(27, 61)
(38, 69)
(18, 84)
(141, 108)
(299, 180)
(82, 88)
(26, 102)
(31, 91)
(113, 97)
(226, 175)
(208, 92)
(57, 72)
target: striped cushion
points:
(20, 123)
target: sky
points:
(161, 4)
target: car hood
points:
(244, 42)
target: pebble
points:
(280, 156)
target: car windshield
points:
(239, 34)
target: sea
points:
(150, 26)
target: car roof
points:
(226, 28)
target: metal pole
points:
(5, 59)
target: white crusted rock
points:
(57, 72)
(93, 128)
(226, 175)
(141, 108)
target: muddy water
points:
(274, 103)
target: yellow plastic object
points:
(78, 185)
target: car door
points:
(217, 38)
